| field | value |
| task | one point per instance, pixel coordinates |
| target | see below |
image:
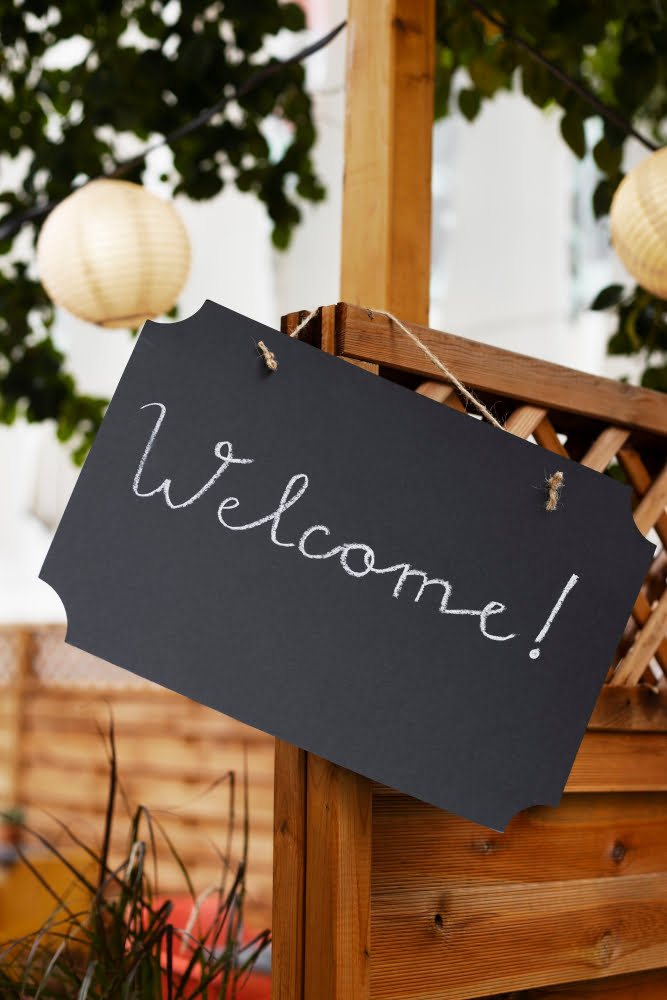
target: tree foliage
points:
(615, 50)
(141, 69)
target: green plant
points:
(588, 60)
(641, 330)
(123, 945)
(138, 71)
(12, 820)
(13, 816)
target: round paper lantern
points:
(114, 254)
(639, 222)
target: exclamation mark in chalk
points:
(534, 653)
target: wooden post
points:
(386, 245)
(322, 832)
(19, 693)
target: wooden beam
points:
(338, 867)
(505, 373)
(289, 854)
(386, 247)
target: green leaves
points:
(608, 297)
(132, 73)
(613, 50)
(607, 157)
(655, 378)
(469, 103)
(572, 130)
(641, 329)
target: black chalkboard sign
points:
(347, 565)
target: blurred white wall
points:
(504, 272)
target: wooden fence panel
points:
(578, 892)
(173, 755)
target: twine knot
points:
(269, 356)
(554, 484)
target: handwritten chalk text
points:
(357, 559)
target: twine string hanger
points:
(269, 356)
(429, 354)
(554, 484)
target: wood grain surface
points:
(566, 894)
(540, 383)
(338, 866)
(289, 872)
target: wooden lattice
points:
(615, 428)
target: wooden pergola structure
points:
(377, 895)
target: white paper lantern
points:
(639, 223)
(114, 254)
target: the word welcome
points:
(357, 559)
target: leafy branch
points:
(142, 71)
(590, 60)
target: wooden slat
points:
(587, 836)
(156, 760)
(68, 712)
(639, 708)
(525, 420)
(605, 447)
(194, 835)
(501, 372)
(638, 475)
(652, 635)
(338, 865)
(441, 392)
(656, 578)
(289, 873)
(564, 894)
(641, 613)
(650, 985)
(520, 935)
(620, 762)
(546, 436)
(653, 503)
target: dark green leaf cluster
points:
(614, 50)
(142, 69)
(642, 329)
